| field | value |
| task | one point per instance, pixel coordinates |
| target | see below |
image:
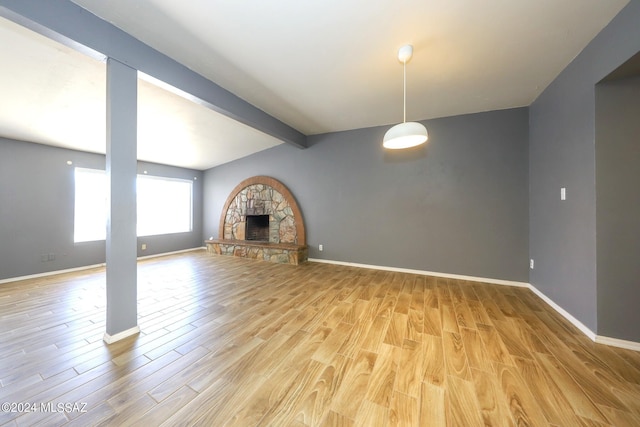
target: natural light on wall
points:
(164, 205)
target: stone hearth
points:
(275, 252)
(263, 196)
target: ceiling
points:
(317, 66)
(54, 95)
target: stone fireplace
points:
(261, 220)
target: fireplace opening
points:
(257, 228)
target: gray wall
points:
(458, 205)
(562, 235)
(618, 207)
(36, 210)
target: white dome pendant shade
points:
(405, 134)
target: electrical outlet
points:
(531, 263)
(563, 193)
(320, 248)
(144, 247)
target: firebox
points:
(257, 228)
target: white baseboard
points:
(110, 339)
(425, 273)
(50, 273)
(89, 267)
(564, 313)
(614, 342)
(201, 248)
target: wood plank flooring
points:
(229, 341)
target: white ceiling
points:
(318, 66)
(54, 95)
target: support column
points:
(122, 280)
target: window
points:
(90, 220)
(164, 205)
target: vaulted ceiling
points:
(317, 66)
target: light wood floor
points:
(228, 341)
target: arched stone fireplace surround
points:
(266, 197)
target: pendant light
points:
(405, 134)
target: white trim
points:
(425, 273)
(201, 248)
(89, 267)
(615, 342)
(50, 273)
(564, 313)
(110, 339)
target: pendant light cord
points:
(404, 92)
